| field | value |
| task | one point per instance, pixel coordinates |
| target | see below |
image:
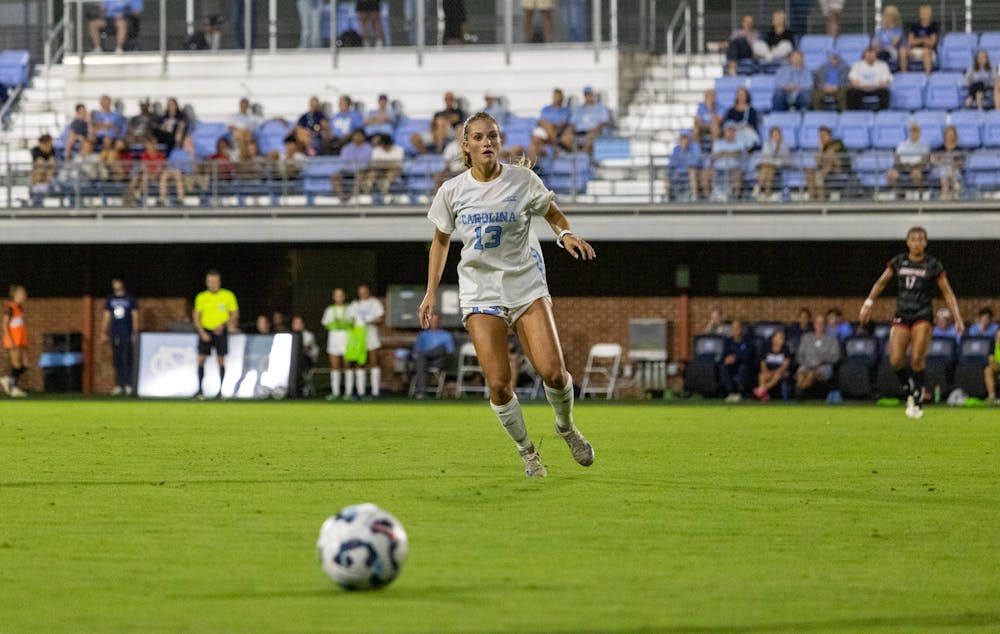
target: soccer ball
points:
(362, 547)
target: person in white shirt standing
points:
(870, 76)
(502, 283)
(366, 311)
(913, 156)
(337, 324)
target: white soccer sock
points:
(348, 382)
(335, 382)
(376, 381)
(512, 419)
(561, 401)
(359, 380)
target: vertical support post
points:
(189, 17)
(333, 33)
(421, 31)
(248, 32)
(508, 30)
(968, 16)
(878, 14)
(700, 17)
(685, 325)
(643, 6)
(87, 334)
(78, 31)
(272, 25)
(595, 27)
(613, 23)
(687, 30)
(163, 37)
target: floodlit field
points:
(146, 516)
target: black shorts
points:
(368, 5)
(219, 342)
(909, 322)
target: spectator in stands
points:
(454, 158)
(115, 15)
(741, 44)
(180, 170)
(747, 121)
(239, 17)
(708, 119)
(262, 325)
(831, 10)
(778, 42)
(830, 83)
(950, 160)
(911, 160)
(115, 160)
(715, 325)
(43, 163)
(386, 164)
(817, 353)
(991, 373)
(287, 166)
(174, 125)
(685, 161)
(142, 125)
(455, 22)
(77, 130)
(309, 355)
(358, 157)
(586, 122)
(554, 118)
(944, 325)
(793, 85)
(984, 326)
(544, 7)
(218, 166)
(250, 164)
(921, 42)
(798, 328)
(105, 122)
(979, 80)
(149, 168)
(441, 127)
(538, 148)
(774, 369)
(243, 124)
(84, 167)
(381, 120)
(313, 129)
(310, 15)
(869, 77)
(737, 363)
(431, 348)
(774, 156)
(279, 322)
(888, 38)
(495, 107)
(344, 122)
(370, 17)
(831, 159)
(727, 162)
(836, 326)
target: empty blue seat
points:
(813, 59)
(890, 129)
(405, 129)
(956, 50)
(944, 91)
(820, 43)
(871, 168)
(206, 135)
(787, 122)
(794, 176)
(990, 40)
(852, 45)
(761, 92)
(612, 148)
(991, 129)
(14, 68)
(854, 131)
(982, 169)
(932, 124)
(726, 87)
(317, 172)
(968, 123)
(907, 91)
(811, 123)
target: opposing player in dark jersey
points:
(917, 274)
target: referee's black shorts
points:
(219, 342)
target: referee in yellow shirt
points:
(216, 314)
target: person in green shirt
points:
(216, 314)
(337, 325)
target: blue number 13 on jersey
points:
(493, 233)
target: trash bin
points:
(62, 361)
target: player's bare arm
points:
(952, 301)
(234, 322)
(435, 267)
(202, 333)
(105, 326)
(877, 288)
(574, 245)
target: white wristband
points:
(562, 234)
(869, 302)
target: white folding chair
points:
(468, 366)
(603, 363)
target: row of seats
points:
(955, 51)
(14, 68)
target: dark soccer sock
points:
(903, 375)
(222, 376)
(919, 376)
(15, 375)
(201, 376)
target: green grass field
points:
(166, 516)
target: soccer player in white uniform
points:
(337, 324)
(368, 311)
(502, 280)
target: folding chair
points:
(468, 365)
(604, 361)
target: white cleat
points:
(913, 410)
(5, 384)
(17, 392)
(582, 450)
(533, 467)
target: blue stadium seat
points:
(852, 45)
(271, 136)
(316, 175)
(761, 92)
(612, 148)
(956, 50)
(794, 176)
(812, 60)
(871, 168)
(726, 87)
(811, 122)
(855, 127)
(14, 68)
(890, 129)
(419, 173)
(969, 126)
(973, 355)
(206, 135)
(945, 91)
(567, 172)
(941, 357)
(982, 170)
(814, 48)
(788, 122)
(991, 129)
(406, 127)
(907, 91)
(701, 374)
(990, 40)
(856, 373)
(932, 124)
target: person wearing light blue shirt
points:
(685, 160)
(586, 122)
(554, 117)
(179, 168)
(430, 349)
(727, 159)
(345, 122)
(495, 108)
(382, 120)
(106, 123)
(357, 157)
(792, 85)
(984, 325)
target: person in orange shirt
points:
(15, 340)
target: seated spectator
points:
(43, 163)
(830, 83)
(778, 42)
(979, 80)
(816, 356)
(685, 161)
(313, 129)
(381, 120)
(715, 324)
(950, 159)
(831, 10)
(554, 118)
(747, 121)
(495, 107)
(831, 159)
(173, 126)
(287, 165)
(430, 349)
(142, 125)
(262, 325)
(792, 85)
(984, 326)
(279, 323)
(774, 156)
(944, 325)
(250, 165)
(150, 165)
(218, 166)
(243, 124)
(115, 160)
(83, 168)
(741, 44)
(77, 130)
(105, 122)
(115, 14)
(774, 369)
(992, 372)
(538, 148)
(869, 77)
(386, 164)
(344, 122)
(586, 122)
(888, 38)
(180, 170)
(358, 156)
(708, 119)
(796, 329)
(736, 366)
(727, 162)
(309, 354)
(911, 159)
(454, 158)
(441, 127)
(921, 42)
(836, 326)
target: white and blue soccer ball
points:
(362, 547)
